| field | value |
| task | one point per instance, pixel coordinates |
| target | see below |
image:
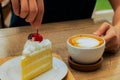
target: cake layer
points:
(40, 62)
(26, 60)
(36, 63)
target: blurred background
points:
(102, 12)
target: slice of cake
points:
(37, 58)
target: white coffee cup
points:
(85, 48)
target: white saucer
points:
(11, 70)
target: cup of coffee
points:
(85, 48)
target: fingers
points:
(24, 10)
(16, 6)
(33, 11)
(39, 16)
(110, 35)
(112, 39)
(102, 30)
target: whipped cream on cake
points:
(33, 46)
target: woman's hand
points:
(31, 10)
(111, 35)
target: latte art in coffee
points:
(87, 42)
(84, 41)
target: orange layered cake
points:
(36, 59)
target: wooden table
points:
(13, 39)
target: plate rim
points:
(18, 59)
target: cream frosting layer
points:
(32, 46)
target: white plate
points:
(11, 70)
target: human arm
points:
(111, 32)
(31, 10)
